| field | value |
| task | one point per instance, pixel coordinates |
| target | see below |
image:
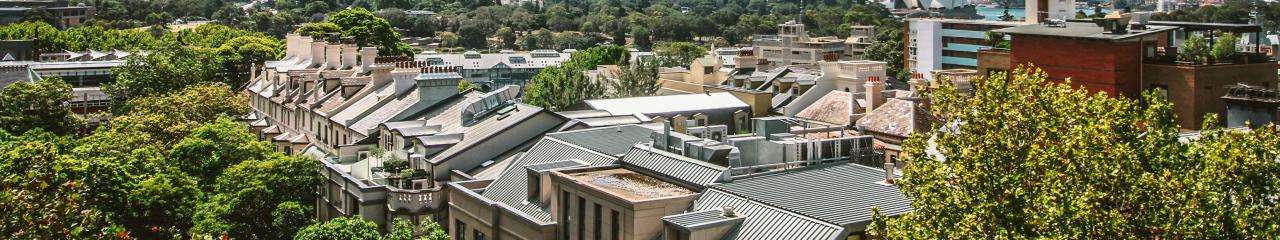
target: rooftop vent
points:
(1114, 22)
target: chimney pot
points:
(728, 211)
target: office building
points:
(940, 44)
(65, 14)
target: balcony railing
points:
(415, 200)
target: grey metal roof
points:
(700, 219)
(839, 194)
(613, 141)
(764, 222)
(543, 167)
(675, 166)
(610, 121)
(512, 187)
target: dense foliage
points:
(41, 104)
(1025, 158)
(355, 228)
(558, 87)
(360, 26)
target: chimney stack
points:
(317, 52)
(291, 45)
(333, 56)
(368, 56)
(888, 171)
(874, 93)
(918, 83)
(349, 53)
(304, 49)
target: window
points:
(615, 227)
(564, 215)
(459, 230)
(595, 234)
(582, 215)
(479, 235)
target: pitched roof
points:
(840, 194)
(896, 117)
(763, 222)
(512, 188)
(835, 108)
(674, 166)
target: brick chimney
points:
(918, 83)
(874, 93)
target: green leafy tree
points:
(340, 229)
(164, 71)
(26, 106)
(1225, 48)
(369, 30)
(210, 148)
(166, 119)
(887, 48)
(678, 54)
(559, 87)
(640, 78)
(288, 218)
(162, 205)
(1059, 162)
(425, 230)
(507, 36)
(1194, 49)
(318, 30)
(448, 39)
(464, 85)
(43, 196)
(248, 194)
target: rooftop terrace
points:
(630, 185)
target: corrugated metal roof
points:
(613, 141)
(694, 219)
(839, 194)
(675, 166)
(764, 222)
(512, 187)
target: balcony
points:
(415, 201)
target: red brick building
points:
(1091, 58)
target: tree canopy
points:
(26, 106)
(1028, 158)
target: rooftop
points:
(630, 185)
(1082, 31)
(842, 194)
(668, 103)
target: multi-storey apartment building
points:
(792, 45)
(860, 37)
(389, 133)
(938, 44)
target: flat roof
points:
(630, 184)
(668, 103)
(1081, 30)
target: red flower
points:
(122, 235)
(155, 228)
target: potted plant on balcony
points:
(1194, 51)
(1224, 50)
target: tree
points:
(43, 195)
(640, 78)
(39, 14)
(318, 30)
(678, 54)
(164, 71)
(1058, 162)
(25, 106)
(405, 230)
(215, 146)
(464, 85)
(340, 229)
(162, 205)
(558, 87)
(448, 39)
(640, 38)
(507, 36)
(369, 30)
(166, 119)
(248, 195)
(288, 218)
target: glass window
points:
(582, 215)
(459, 230)
(595, 234)
(615, 227)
